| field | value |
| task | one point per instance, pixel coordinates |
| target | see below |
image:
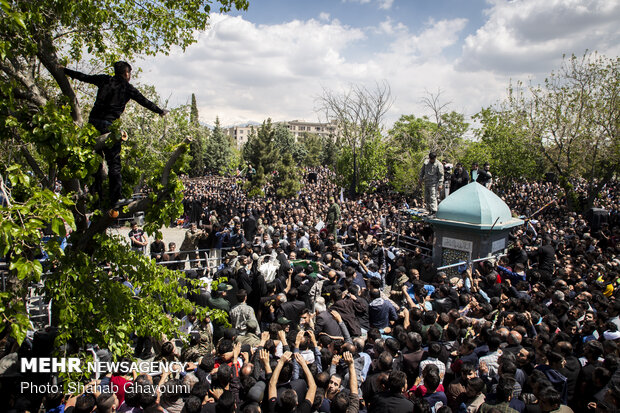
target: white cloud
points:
(530, 36)
(243, 71)
(382, 4)
(386, 4)
(433, 40)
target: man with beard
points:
(459, 178)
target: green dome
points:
(475, 205)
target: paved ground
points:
(175, 235)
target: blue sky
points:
(276, 58)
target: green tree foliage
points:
(193, 115)
(573, 119)
(235, 161)
(152, 138)
(359, 113)
(451, 131)
(41, 121)
(330, 153)
(412, 138)
(255, 188)
(284, 142)
(288, 181)
(260, 149)
(408, 145)
(313, 146)
(219, 151)
(198, 149)
(505, 146)
(283, 139)
(372, 163)
(200, 139)
(447, 138)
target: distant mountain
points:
(249, 123)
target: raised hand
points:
(347, 357)
(264, 336)
(286, 357)
(299, 358)
(236, 352)
(312, 337)
(298, 338)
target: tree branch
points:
(100, 225)
(47, 55)
(35, 167)
(13, 69)
(101, 141)
(165, 176)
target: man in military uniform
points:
(201, 342)
(188, 247)
(219, 301)
(333, 217)
(250, 337)
(242, 313)
(431, 175)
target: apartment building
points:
(299, 127)
(241, 133)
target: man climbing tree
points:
(113, 94)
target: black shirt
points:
(113, 94)
(303, 407)
(392, 403)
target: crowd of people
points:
(327, 312)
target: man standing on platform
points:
(432, 176)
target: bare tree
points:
(432, 101)
(359, 112)
(451, 126)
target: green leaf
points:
(58, 227)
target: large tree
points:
(260, 149)
(573, 120)
(51, 157)
(408, 145)
(219, 150)
(359, 113)
(506, 146)
(448, 136)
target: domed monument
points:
(471, 223)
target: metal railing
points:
(411, 245)
(496, 256)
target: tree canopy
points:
(49, 157)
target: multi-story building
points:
(299, 127)
(241, 133)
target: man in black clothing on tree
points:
(113, 94)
